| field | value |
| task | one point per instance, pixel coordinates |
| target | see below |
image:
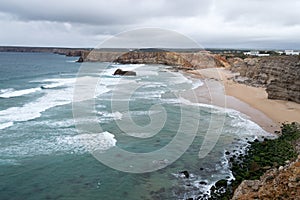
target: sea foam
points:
(8, 93)
(61, 144)
(6, 125)
(88, 142)
(34, 109)
(61, 93)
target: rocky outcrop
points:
(185, 173)
(154, 57)
(80, 60)
(62, 51)
(180, 60)
(124, 73)
(282, 181)
(279, 183)
(100, 56)
(279, 74)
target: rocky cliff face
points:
(156, 57)
(63, 51)
(283, 180)
(179, 59)
(281, 183)
(279, 74)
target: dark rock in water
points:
(221, 183)
(80, 60)
(124, 73)
(185, 173)
(203, 182)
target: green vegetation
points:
(260, 157)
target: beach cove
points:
(252, 101)
(45, 134)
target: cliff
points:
(270, 169)
(279, 74)
(181, 60)
(76, 52)
(278, 183)
(155, 57)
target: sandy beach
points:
(252, 101)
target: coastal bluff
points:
(179, 60)
(72, 52)
(280, 75)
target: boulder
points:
(185, 173)
(124, 73)
(80, 60)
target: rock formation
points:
(62, 51)
(154, 57)
(281, 183)
(185, 173)
(177, 58)
(180, 60)
(124, 73)
(80, 59)
(279, 74)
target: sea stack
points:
(124, 73)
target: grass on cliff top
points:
(260, 157)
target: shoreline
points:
(268, 114)
(219, 90)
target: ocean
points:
(120, 138)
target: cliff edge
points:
(179, 60)
(278, 183)
(279, 74)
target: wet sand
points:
(252, 101)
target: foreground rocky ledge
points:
(269, 170)
(278, 183)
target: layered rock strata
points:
(279, 74)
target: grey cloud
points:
(267, 12)
(115, 12)
(213, 23)
(150, 37)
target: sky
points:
(263, 24)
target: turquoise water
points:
(44, 156)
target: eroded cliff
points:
(279, 74)
(181, 60)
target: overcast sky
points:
(212, 23)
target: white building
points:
(255, 53)
(251, 53)
(280, 52)
(291, 53)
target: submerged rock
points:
(185, 173)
